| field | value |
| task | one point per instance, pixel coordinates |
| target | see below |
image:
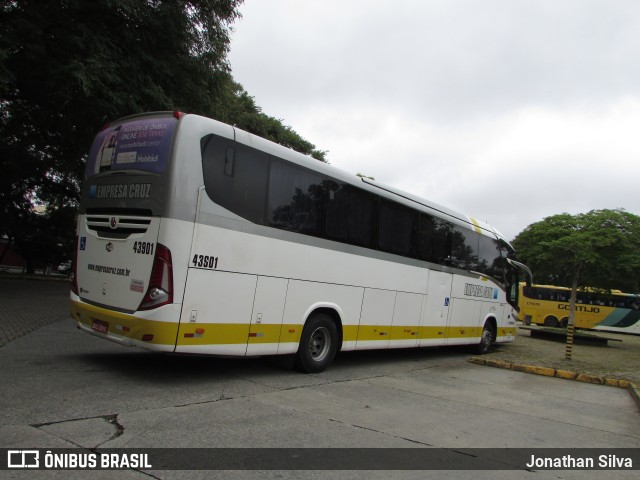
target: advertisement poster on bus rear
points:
(136, 145)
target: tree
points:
(69, 66)
(240, 110)
(599, 249)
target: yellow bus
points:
(548, 305)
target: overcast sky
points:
(506, 110)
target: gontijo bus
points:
(549, 305)
(196, 237)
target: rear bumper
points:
(154, 330)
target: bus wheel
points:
(487, 339)
(551, 321)
(564, 322)
(318, 344)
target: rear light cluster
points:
(160, 291)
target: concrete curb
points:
(633, 389)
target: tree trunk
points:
(572, 316)
(5, 249)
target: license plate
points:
(99, 326)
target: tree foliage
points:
(69, 66)
(598, 249)
(240, 110)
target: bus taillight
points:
(160, 291)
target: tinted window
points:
(489, 257)
(268, 191)
(398, 229)
(464, 248)
(541, 293)
(235, 177)
(296, 198)
(435, 239)
(351, 214)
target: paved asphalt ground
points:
(30, 304)
(62, 388)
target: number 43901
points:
(205, 261)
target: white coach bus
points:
(196, 237)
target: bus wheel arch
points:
(320, 340)
(487, 337)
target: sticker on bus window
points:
(142, 144)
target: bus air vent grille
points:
(117, 225)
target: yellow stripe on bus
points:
(476, 225)
(164, 333)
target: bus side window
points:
(229, 162)
(235, 177)
(489, 256)
(464, 252)
(350, 214)
(296, 199)
(397, 230)
(434, 239)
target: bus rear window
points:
(141, 144)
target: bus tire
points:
(487, 339)
(551, 321)
(318, 344)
